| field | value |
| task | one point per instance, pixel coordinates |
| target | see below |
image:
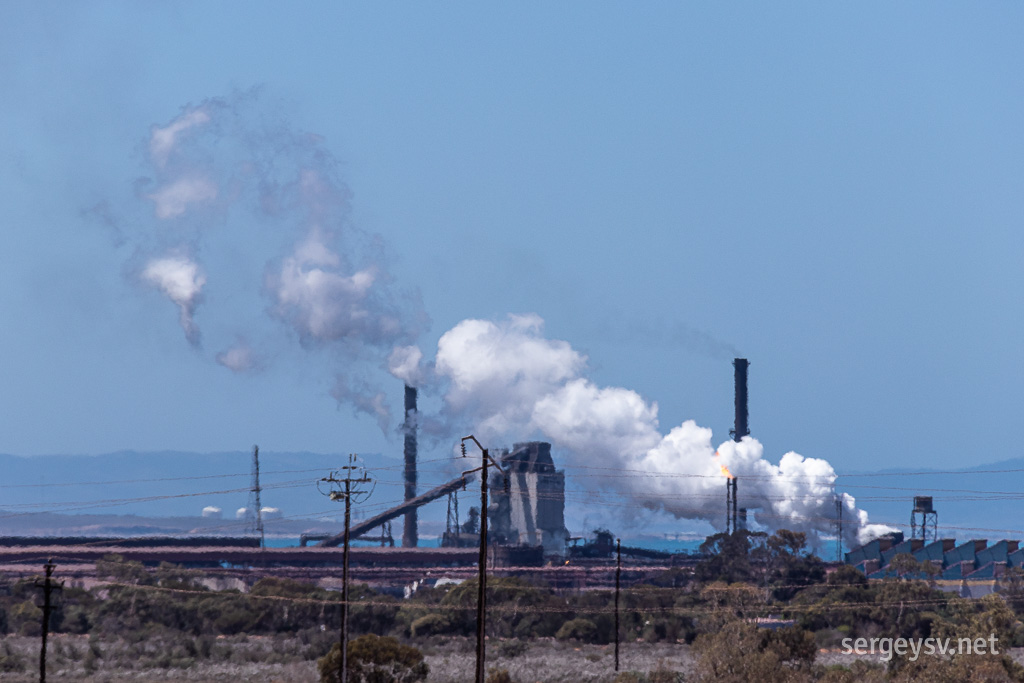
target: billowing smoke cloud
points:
(180, 279)
(509, 379)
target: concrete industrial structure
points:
(530, 510)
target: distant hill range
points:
(165, 492)
(130, 493)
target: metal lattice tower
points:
(254, 495)
(452, 521)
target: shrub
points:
(373, 659)
(578, 629)
(499, 676)
(510, 649)
(628, 677)
(26, 619)
(662, 675)
(431, 625)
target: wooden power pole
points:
(341, 489)
(481, 594)
(618, 576)
(48, 586)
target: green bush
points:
(499, 676)
(578, 629)
(510, 649)
(373, 659)
(431, 625)
(26, 619)
(11, 661)
(629, 677)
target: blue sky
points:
(832, 191)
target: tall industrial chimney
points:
(741, 429)
(410, 535)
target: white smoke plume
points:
(507, 378)
(230, 172)
(324, 303)
(239, 358)
(363, 399)
(174, 199)
(162, 140)
(406, 364)
(181, 280)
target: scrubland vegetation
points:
(709, 624)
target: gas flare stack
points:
(740, 429)
(731, 512)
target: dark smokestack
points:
(410, 536)
(741, 429)
(731, 512)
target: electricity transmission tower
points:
(344, 485)
(254, 496)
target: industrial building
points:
(971, 569)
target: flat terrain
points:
(288, 660)
(284, 660)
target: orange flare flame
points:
(726, 472)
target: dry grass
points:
(288, 660)
(550, 661)
(80, 658)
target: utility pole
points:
(481, 595)
(49, 586)
(618, 577)
(340, 488)
(839, 529)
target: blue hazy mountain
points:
(172, 483)
(974, 502)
